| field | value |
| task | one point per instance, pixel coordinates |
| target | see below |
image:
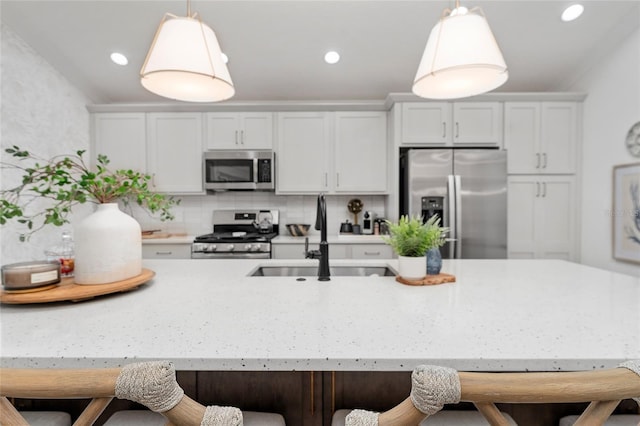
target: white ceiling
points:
(276, 48)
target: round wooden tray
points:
(429, 279)
(68, 290)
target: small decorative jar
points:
(434, 261)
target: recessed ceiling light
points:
(119, 58)
(572, 12)
(332, 57)
(225, 58)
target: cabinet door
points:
(371, 251)
(541, 217)
(522, 136)
(477, 123)
(175, 151)
(555, 218)
(426, 123)
(122, 138)
(257, 130)
(223, 130)
(251, 130)
(303, 151)
(360, 152)
(521, 217)
(296, 251)
(166, 251)
(558, 137)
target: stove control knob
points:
(211, 247)
(248, 247)
(231, 247)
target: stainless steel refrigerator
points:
(467, 188)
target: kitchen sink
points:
(312, 271)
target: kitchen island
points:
(209, 315)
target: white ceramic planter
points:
(108, 246)
(412, 268)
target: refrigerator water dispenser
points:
(432, 206)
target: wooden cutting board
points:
(67, 290)
(429, 280)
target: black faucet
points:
(323, 254)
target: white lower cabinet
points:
(336, 251)
(166, 251)
(542, 217)
(371, 251)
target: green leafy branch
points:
(67, 181)
(410, 237)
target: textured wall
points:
(40, 111)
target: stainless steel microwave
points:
(239, 170)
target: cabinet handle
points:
(242, 137)
(326, 179)
(544, 189)
(444, 130)
(537, 160)
(372, 253)
(544, 160)
(153, 180)
(338, 180)
(164, 253)
(537, 189)
(457, 130)
(236, 137)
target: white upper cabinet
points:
(341, 152)
(360, 157)
(122, 138)
(477, 123)
(452, 123)
(428, 122)
(249, 130)
(541, 137)
(174, 153)
(303, 152)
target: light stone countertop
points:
(332, 239)
(500, 315)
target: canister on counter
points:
(28, 275)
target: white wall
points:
(43, 113)
(611, 108)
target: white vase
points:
(412, 268)
(108, 245)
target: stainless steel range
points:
(238, 234)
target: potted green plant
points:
(411, 239)
(108, 242)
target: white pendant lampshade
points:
(461, 59)
(185, 62)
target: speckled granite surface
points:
(500, 315)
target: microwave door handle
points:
(255, 170)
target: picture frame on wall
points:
(626, 212)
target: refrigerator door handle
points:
(458, 216)
(451, 195)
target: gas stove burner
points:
(222, 237)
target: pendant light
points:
(462, 57)
(185, 61)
